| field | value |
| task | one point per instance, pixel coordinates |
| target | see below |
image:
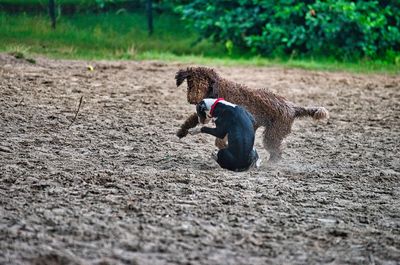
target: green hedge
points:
(334, 28)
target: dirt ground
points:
(118, 187)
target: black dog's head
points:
(203, 110)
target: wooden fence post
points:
(52, 13)
(149, 9)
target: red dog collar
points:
(213, 106)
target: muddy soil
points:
(118, 187)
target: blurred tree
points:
(52, 13)
(340, 28)
(149, 10)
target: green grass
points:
(124, 36)
(325, 64)
(101, 36)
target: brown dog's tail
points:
(318, 113)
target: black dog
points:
(235, 122)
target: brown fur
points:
(271, 111)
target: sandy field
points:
(116, 186)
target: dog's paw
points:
(182, 133)
(195, 131)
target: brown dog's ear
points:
(180, 76)
(213, 93)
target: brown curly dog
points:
(271, 111)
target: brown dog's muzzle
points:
(197, 91)
(192, 101)
(194, 97)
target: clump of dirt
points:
(117, 185)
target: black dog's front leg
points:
(219, 132)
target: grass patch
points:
(304, 63)
(101, 36)
(124, 36)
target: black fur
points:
(238, 124)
